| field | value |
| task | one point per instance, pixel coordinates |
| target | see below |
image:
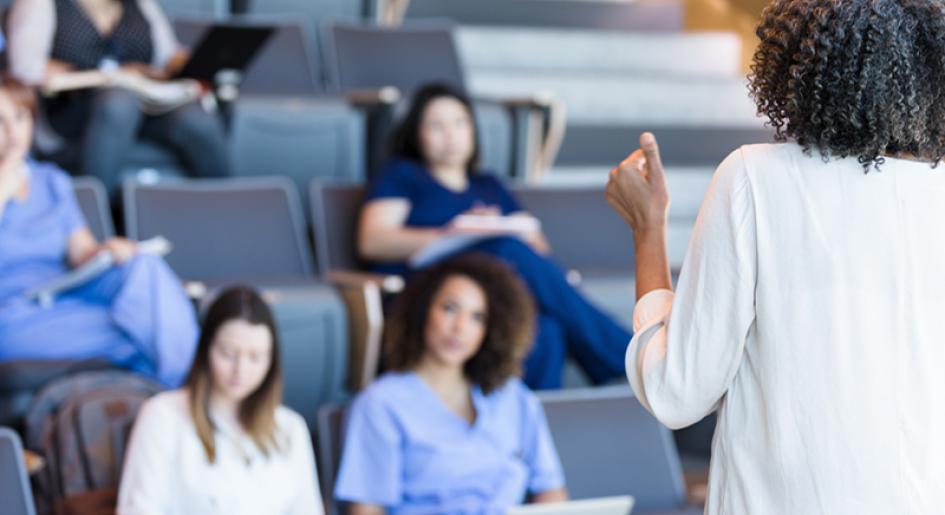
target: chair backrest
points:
(330, 435)
(93, 201)
(223, 229)
(368, 57)
(284, 66)
(584, 232)
(215, 8)
(610, 445)
(496, 135)
(640, 15)
(679, 145)
(335, 211)
(312, 14)
(301, 139)
(317, 12)
(14, 482)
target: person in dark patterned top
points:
(50, 37)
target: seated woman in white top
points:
(223, 444)
(811, 305)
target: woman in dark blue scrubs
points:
(433, 178)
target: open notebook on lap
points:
(620, 505)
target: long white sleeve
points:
(688, 347)
(162, 33)
(307, 499)
(145, 483)
(32, 25)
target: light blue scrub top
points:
(135, 315)
(406, 450)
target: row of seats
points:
(700, 113)
(254, 230)
(625, 452)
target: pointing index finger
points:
(652, 151)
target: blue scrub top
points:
(405, 450)
(431, 203)
(34, 233)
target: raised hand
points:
(637, 188)
(637, 192)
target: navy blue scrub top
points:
(431, 203)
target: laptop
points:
(620, 505)
(225, 47)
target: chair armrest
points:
(386, 96)
(388, 284)
(534, 101)
(362, 295)
(540, 121)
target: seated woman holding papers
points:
(55, 44)
(431, 201)
(135, 315)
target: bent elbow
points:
(679, 414)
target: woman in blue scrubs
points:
(451, 429)
(432, 180)
(135, 315)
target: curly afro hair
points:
(858, 78)
(510, 320)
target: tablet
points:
(225, 47)
(620, 505)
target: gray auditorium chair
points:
(283, 123)
(330, 437)
(610, 445)
(312, 13)
(302, 139)
(223, 229)
(93, 201)
(334, 211)
(590, 241)
(284, 66)
(646, 15)
(680, 146)
(251, 231)
(14, 482)
(379, 67)
(215, 8)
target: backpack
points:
(80, 424)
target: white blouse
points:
(167, 473)
(811, 312)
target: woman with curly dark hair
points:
(810, 307)
(452, 429)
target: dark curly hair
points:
(405, 139)
(510, 319)
(854, 77)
